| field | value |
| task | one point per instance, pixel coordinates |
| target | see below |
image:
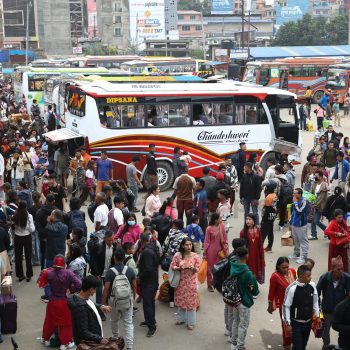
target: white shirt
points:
(89, 174)
(118, 216)
(26, 231)
(101, 215)
(2, 166)
(317, 189)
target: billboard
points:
(147, 21)
(222, 7)
(294, 10)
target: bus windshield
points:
(336, 78)
(250, 74)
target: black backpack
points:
(91, 210)
(235, 160)
(221, 271)
(76, 220)
(286, 191)
(51, 121)
(230, 291)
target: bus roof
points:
(295, 62)
(225, 88)
(345, 65)
(146, 78)
(64, 70)
(152, 60)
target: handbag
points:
(174, 278)
(112, 345)
(340, 241)
(221, 253)
(165, 263)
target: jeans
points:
(247, 203)
(28, 179)
(126, 316)
(316, 222)
(135, 192)
(35, 248)
(302, 122)
(228, 314)
(99, 291)
(42, 253)
(327, 327)
(23, 243)
(14, 183)
(301, 243)
(300, 334)
(48, 263)
(148, 292)
(240, 324)
(267, 231)
(187, 316)
(282, 208)
(171, 294)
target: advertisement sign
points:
(222, 7)
(294, 10)
(239, 54)
(147, 21)
(77, 50)
(76, 102)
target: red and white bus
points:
(292, 74)
(208, 120)
(338, 77)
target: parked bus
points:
(173, 66)
(292, 74)
(338, 80)
(109, 62)
(208, 120)
(28, 82)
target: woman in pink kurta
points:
(187, 262)
(215, 242)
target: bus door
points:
(283, 84)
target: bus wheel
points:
(269, 156)
(317, 96)
(165, 175)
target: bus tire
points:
(165, 175)
(317, 96)
(269, 156)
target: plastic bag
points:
(318, 328)
(202, 274)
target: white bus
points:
(29, 82)
(208, 120)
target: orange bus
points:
(292, 74)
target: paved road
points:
(264, 331)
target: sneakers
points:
(227, 333)
(45, 342)
(312, 238)
(143, 324)
(151, 332)
(171, 304)
(300, 261)
(68, 346)
(293, 257)
(44, 299)
(211, 289)
(268, 250)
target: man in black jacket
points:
(86, 320)
(148, 275)
(334, 286)
(151, 170)
(249, 191)
(40, 223)
(101, 260)
(341, 323)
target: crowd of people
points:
(43, 189)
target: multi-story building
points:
(113, 23)
(190, 26)
(321, 8)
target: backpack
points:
(76, 220)
(235, 160)
(51, 121)
(286, 192)
(121, 293)
(220, 272)
(95, 239)
(62, 160)
(230, 291)
(91, 210)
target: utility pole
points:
(242, 37)
(29, 4)
(349, 25)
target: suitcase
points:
(8, 314)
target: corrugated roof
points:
(260, 53)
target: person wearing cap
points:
(249, 191)
(15, 166)
(299, 306)
(341, 170)
(184, 190)
(332, 287)
(58, 315)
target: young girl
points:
(251, 234)
(89, 179)
(129, 232)
(269, 214)
(168, 209)
(195, 233)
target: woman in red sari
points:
(251, 234)
(337, 229)
(279, 281)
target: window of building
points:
(192, 17)
(117, 31)
(198, 28)
(186, 28)
(172, 15)
(172, 2)
(166, 20)
(13, 18)
(166, 8)
(117, 19)
(172, 28)
(117, 7)
(180, 17)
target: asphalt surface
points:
(264, 330)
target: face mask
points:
(131, 223)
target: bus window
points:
(163, 115)
(251, 114)
(36, 85)
(222, 113)
(132, 116)
(264, 76)
(202, 114)
(309, 72)
(287, 116)
(295, 71)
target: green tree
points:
(313, 31)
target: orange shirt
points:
(86, 157)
